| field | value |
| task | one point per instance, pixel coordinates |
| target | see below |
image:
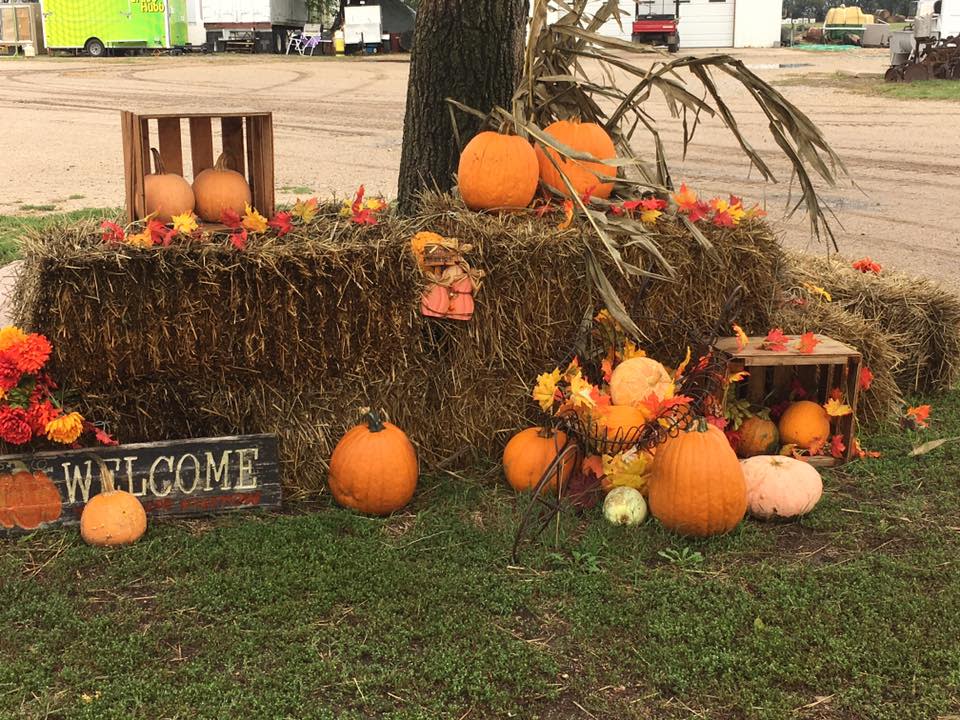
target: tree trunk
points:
(468, 50)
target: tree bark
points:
(468, 50)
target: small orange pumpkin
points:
(27, 500)
(374, 468)
(587, 138)
(805, 424)
(529, 453)
(219, 188)
(697, 485)
(758, 436)
(166, 194)
(498, 171)
(615, 427)
(112, 517)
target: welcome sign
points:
(179, 478)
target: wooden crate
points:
(831, 365)
(247, 137)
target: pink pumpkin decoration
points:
(454, 302)
(779, 486)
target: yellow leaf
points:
(817, 290)
(546, 389)
(683, 366)
(837, 408)
(650, 216)
(254, 221)
(742, 339)
(737, 376)
(580, 392)
(305, 210)
(567, 215)
(142, 239)
(630, 350)
(628, 469)
(185, 224)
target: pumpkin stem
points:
(702, 425)
(19, 466)
(224, 161)
(106, 475)
(374, 421)
(546, 432)
(157, 162)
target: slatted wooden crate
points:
(831, 365)
(247, 138)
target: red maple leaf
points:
(916, 417)
(112, 233)
(866, 378)
(652, 403)
(797, 390)
(775, 341)
(602, 400)
(239, 239)
(617, 210)
(724, 219)
(861, 453)
(282, 223)
(719, 422)
(816, 447)
(231, 218)
(866, 265)
(653, 204)
(699, 211)
(606, 367)
(160, 234)
(807, 343)
(587, 194)
(837, 447)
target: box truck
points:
(98, 26)
(254, 25)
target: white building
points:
(710, 23)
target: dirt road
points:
(339, 124)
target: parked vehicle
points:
(252, 25)
(657, 22)
(99, 26)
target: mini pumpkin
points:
(374, 468)
(805, 424)
(636, 379)
(219, 188)
(758, 436)
(529, 453)
(589, 138)
(779, 486)
(624, 506)
(28, 499)
(616, 427)
(697, 486)
(112, 516)
(498, 171)
(166, 194)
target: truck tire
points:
(94, 47)
(674, 46)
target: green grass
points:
(296, 189)
(850, 613)
(12, 227)
(875, 85)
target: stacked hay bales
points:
(295, 335)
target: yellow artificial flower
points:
(581, 392)
(305, 210)
(65, 429)
(650, 216)
(630, 350)
(11, 335)
(628, 469)
(254, 221)
(185, 224)
(142, 239)
(546, 389)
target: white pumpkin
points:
(779, 486)
(624, 506)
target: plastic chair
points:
(301, 42)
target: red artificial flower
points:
(866, 378)
(699, 211)
(617, 210)
(15, 425)
(653, 204)
(587, 194)
(724, 219)
(31, 354)
(837, 446)
(281, 222)
(866, 265)
(231, 218)
(797, 390)
(10, 372)
(112, 233)
(160, 234)
(807, 343)
(239, 239)
(775, 341)
(916, 417)
(40, 413)
(102, 436)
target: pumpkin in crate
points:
(219, 188)
(805, 424)
(166, 194)
(636, 379)
(112, 517)
(779, 486)
(374, 468)
(697, 485)
(498, 171)
(758, 436)
(615, 427)
(529, 453)
(28, 499)
(589, 138)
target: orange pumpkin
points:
(112, 517)
(588, 138)
(529, 453)
(27, 500)
(615, 427)
(498, 171)
(697, 485)
(166, 194)
(374, 468)
(636, 379)
(219, 188)
(805, 424)
(758, 436)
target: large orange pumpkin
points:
(374, 468)
(697, 485)
(587, 138)
(219, 188)
(636, 379)
(112, 517)
(615, 427)
(758, 436)
(529, 453)
(166, 194)
(805, 424)
(27, 500)
(498, 171)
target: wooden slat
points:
(757, 386)
(201, 144)
(826, 348)
(260, 156)
(144, 141)
(232, 128)
(782, 375)
(127, 123)
(157, 116)
(171, 148)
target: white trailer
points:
(261, 25)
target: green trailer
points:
(95, 26)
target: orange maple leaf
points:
(567, 215)
(918, 417)
(775, 341)
(601, 400)
(866, 265)
(866, 378)
(837, 446)
(861, 453)
(606, 367)
(742, 339)
(686, 199)
(807, 343)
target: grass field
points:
(13, 226)
(870, 84)
(319, 613)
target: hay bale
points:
(922, 316)
(294, 335)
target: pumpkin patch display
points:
(805, 424)
(697, 485)
(589, 138)
(27, 500)
(529, 453)
(112, 517)
(635, 380)
(374, 468)
(779, 486)
(498, 171)
(219, 188)
(166, 194)
(758, 436)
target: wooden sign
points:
(180, 478)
